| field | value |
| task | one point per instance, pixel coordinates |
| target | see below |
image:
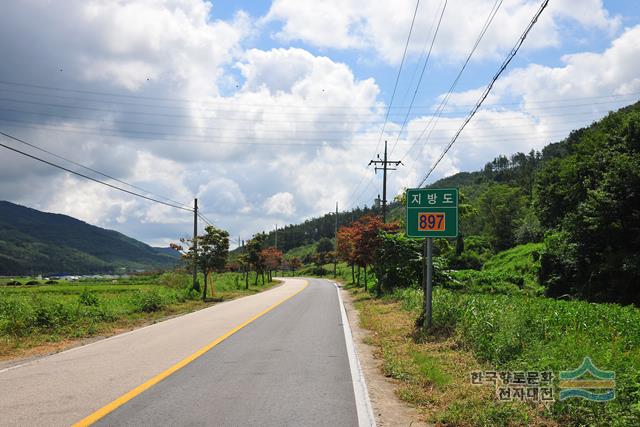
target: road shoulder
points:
(388, 409)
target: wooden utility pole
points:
(196, 286)
(276, 244)
(335, 246)
(385, 167)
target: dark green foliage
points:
(37, 242)
(324, 245)
(499, 209)
(312, 230)
(528, 228)
(398, 262)
(150, 300)
(88, 298)
(486, 282)
(470, 253)
(511, 272)
(591, 195)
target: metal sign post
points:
(429, 287)
(431, 212)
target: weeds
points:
(511, 332)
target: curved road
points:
(291, 366)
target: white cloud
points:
(552, 102)
(383, 25)
(280, 203)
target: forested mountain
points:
(34, 242)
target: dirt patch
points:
(388, 409)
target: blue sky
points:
(269, 112)
(576, 38)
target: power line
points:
(90, 169)
(86, 176)
(485, 27)
(341, 115)
(438, 141)
(395, 87)
(415, 93)
(204, 218)
(440, 109)
(226, 103)
(262, 131)
(484, 95)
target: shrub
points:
(16, 317)
(149, 301)
(88, 298)
(51, 315)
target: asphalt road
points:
(289, 367)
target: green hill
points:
(38, 242)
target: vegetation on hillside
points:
(34, 242)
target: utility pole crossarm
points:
(384, 162)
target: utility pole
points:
(385, 167)
(335, 246)
(196, 286)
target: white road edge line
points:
(363, 404)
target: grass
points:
(514, 271)
(514, 332)
(50, 316)
(302, 251)
(433, 375)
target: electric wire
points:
(395, 87)
(439, 111)
(492, 13)
(288, 114)
(88, 177)
(22, 141)
(279, 132)
(424, 67)
(486, 92)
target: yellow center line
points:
(110, 407)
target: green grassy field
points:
(514, 332)
(41, 315)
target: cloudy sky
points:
(269, 112)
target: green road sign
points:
(432, 212)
